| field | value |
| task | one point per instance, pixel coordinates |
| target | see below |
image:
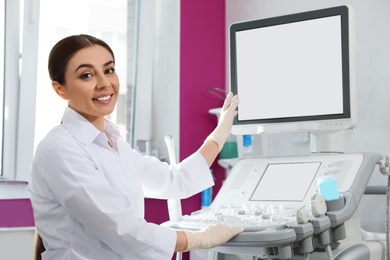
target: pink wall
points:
(202, 67)
(16, 213)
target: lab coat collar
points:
(111, 129)
(83, 130)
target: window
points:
(11, 24)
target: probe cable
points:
(328, 249)
(385, 170)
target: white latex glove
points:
(228, 112)
(211, 236)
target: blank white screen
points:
(290, 70)
(286, 182)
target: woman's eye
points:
(86, 75)
(110, 70)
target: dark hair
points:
(64, 49)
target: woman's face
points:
(92, 86)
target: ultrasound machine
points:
(294, 73)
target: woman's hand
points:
(224, 127)
(211, 236)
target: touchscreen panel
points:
(286, 181)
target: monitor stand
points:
(329, 142)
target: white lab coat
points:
(88, 198)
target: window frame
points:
(11, 87)
(19, 88)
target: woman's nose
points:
(102, 81)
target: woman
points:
(88, 185)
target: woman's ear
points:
(59, 89)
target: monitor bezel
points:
(345, 120)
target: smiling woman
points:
(93, 193)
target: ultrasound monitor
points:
(294, 73)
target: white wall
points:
(17, 243)
(372, 133)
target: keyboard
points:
(251, 218)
